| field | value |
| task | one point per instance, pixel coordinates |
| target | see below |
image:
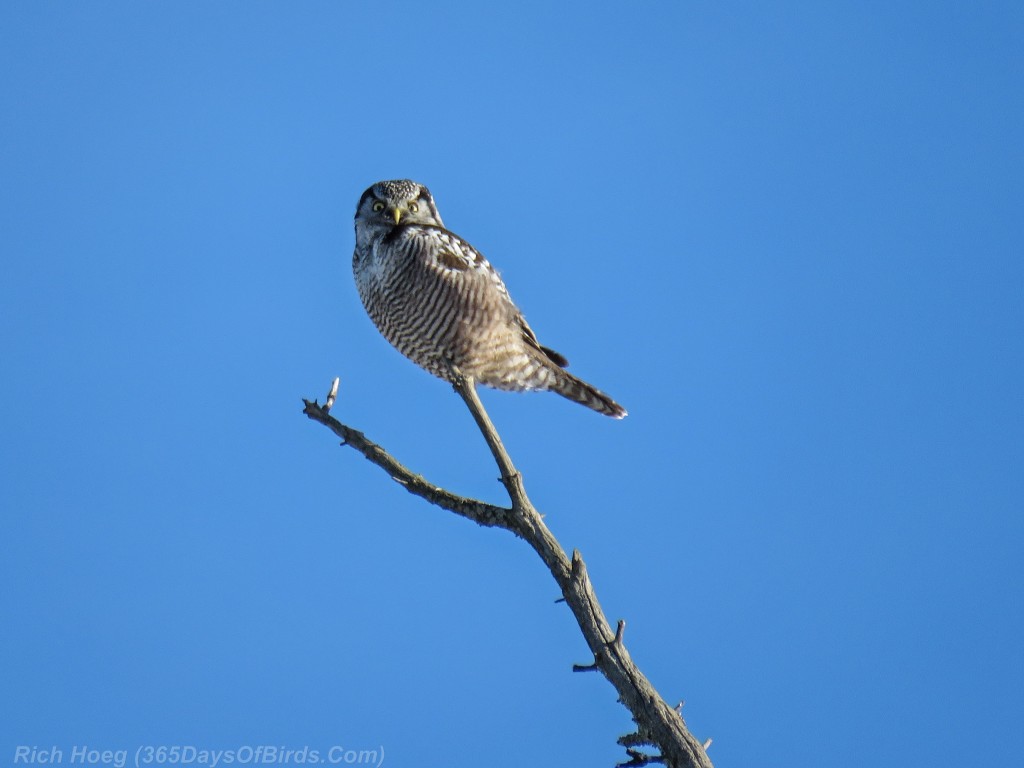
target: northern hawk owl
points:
(441, 304)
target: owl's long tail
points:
(577, 390)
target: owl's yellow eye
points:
(378, 207)
(413, 207)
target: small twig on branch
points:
(332, 395)
(639, 759)
(618, 633)
(661, 725)
(633, 740)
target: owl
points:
(441, 304)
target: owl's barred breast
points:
(438, 302)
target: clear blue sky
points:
(788, 237)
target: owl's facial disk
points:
(390, 203)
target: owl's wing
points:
(531, 339)
(446, 253)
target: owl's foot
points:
(458, 379)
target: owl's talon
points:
(458, 379)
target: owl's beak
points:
(397, 213)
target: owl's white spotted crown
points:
(399, 189)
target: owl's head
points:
(389, 203)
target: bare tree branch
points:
(658, 724)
